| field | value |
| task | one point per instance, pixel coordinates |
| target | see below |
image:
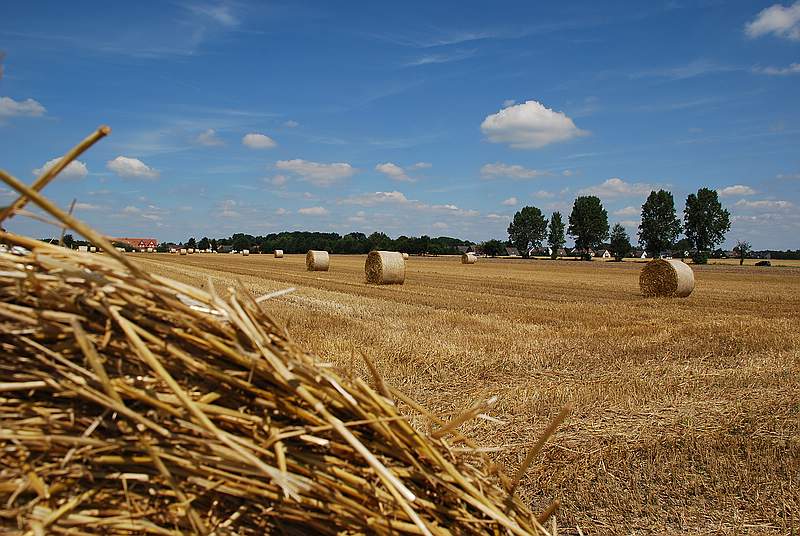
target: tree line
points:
(302, 241)
(705, 223)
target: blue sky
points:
(409, 118)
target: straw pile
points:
(317, 261)
(385, 268)
(183, 251)
(245, 252)
(405, 256)
(190, 251)
(278, 253)
(469, 258)
(92, 249)
(134, 404)
(666, 278)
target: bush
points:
(700, 257)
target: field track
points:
(686, 412)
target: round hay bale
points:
(385, 268)
(666, 278)
(405, 255)
(245, 252)
(183, 251)
(278, 253)
(469, 258)
(317, 261)
(92, 249)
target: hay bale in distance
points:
(317, 261)
(385, 268)
(245, 252)
(92, 249)
(405, 255)
(278, 253)
(83, 249)
(666, 278)
(469, 258)
(183, 251)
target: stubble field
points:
(686, 413)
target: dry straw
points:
(666, 278)
(136, 404)
(317, 261)
(278, 253)
(385, 268)
(245, 252)
(183, 251)
(469, 258)
(405, 255)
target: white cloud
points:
(375, 198)
(510, 202)
(255, 140)
(221, 13)
(568, 173)
(628, 211)
(494, 216)
(209, 138)
(27, 108)
(544, 194)
(789, 176)
(498, 169)
(616, 187)
(777, 20)
(75, 169)
(736, 189)
(291, 124)
(529, 125)
(509, 102)
(393, 171)
(228, 209)
(87, 206)
(765, 203)
(277, 180)
(313, 211)
(131, 168)
(440, 225)
(422, 165)
(130, 209)
(317, 173)
(793, 68)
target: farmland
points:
(686, 413)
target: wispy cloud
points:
(442, 57)
(692, 69)
(793, 68)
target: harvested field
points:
(686, 412)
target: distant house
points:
(639, 254)
(561, 252)
(140, 244)
(224, 249)
(463, 249)
(665, 254)
(512, 252)
(604, 253)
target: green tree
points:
(660, 226)
(204, 243)
(527, 229)
(620, 242)
(742, 248)
(191, 243)
(705, 221)
(69, 241)
(588, 223)
(493, 248)
(555, 234)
